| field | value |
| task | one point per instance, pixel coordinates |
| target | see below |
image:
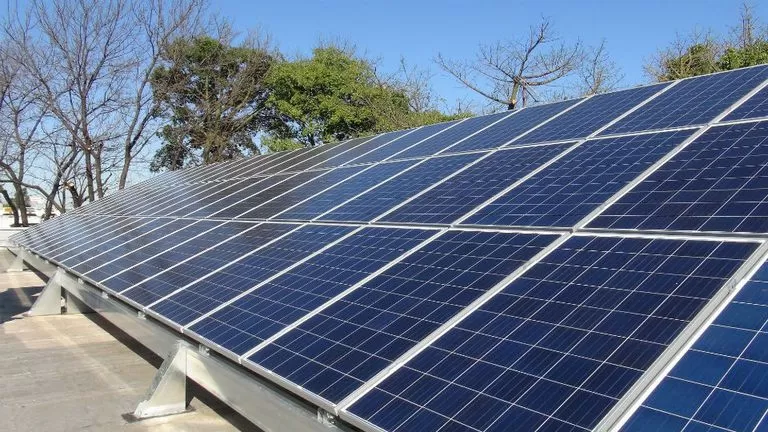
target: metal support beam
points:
(261, 402)
(168, 393)
(73, 305)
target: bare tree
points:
(598, 73)
(750, 29)
(159, 23)
(90, 62)
(507, 72)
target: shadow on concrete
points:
(15, 301)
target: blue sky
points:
(418, 30)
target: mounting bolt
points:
(80, 281)
(204, 350)
(325, 418)
(141, 315)
(104, 295)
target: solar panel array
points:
(586, 264)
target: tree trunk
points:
(89, 176)
(127, 159)
(98, 175)
(12, 205)
(21, 205)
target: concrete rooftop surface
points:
(78, 372)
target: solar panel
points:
(568, 190)
(458, 195)
(134, 253)
(271, 307)
(557, 347)
(722, 382)
(301, 193)
(327, 200)
(70, 233)
(82, 240)
(719, 182)
(569, 266)
(511, 127)
(326, 157)
(590, 115)
(285, 183)
(207, 293)
(451, 136)
(413, 138)
(121, 236)
(168, 257)
(693, 101)
(344, 345)
(152, 287)
(380, 141)
(397, 189)
(754, 107)
(215, 203)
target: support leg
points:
(18, 264)
(50, 301)
(168, 393)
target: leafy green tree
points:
(700, 54)
(214, 97)
(323, 98)
(750, 55)
(334, 96)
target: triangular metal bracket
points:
(18, 264)
(50, 300)
(168, 393)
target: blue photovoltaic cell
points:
(72, 234)
(203, 265)
(591, 115)
(123, 240)
(300, 156)
(754, 107)
(134, 253)
(719, 182)
(387, 195)
(248, 321)
(168, 257)
(193, 203)
(301, 193)
(403, 143)
(561, 344)
(692, 101)
(509, 128)
(349, 342)
(286, 183)
(326, 157)
(721, 383)
(460, 194)
(215, 202)
(222, 286)
(379, 141)
(96, 238)
(568, 190)
(451, 136)
(336, 195)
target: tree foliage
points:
(335, 95)
(701, 53)
(214, 97)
